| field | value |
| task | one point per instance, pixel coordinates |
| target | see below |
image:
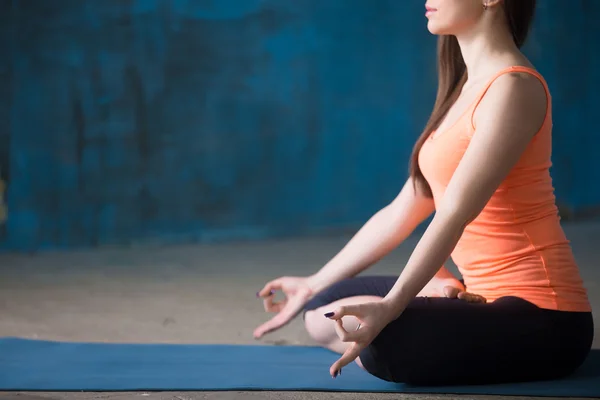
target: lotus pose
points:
(521, 311)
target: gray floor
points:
(187, 294)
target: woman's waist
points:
(562, 297)
(485, 238)
(489, 261)
(548, 274)
(482, 255)
(576, 302)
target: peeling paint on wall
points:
(178, 120)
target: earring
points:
(485, 6)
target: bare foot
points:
(471, 297)
(443, 284)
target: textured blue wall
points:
(129, 120)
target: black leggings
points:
(440, 341)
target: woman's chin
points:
(436, 29)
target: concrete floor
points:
(188, 294)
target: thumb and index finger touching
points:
(267, 293)
(269, 288)
(288, 310)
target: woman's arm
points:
(380, 235)
(384, 231)
(508, 117)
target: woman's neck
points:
(487, 47)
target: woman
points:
(482, 164)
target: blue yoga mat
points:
(32, 365)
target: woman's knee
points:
(322, 330)
(317, 327)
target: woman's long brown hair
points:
(452, 75)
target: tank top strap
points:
(517, 68)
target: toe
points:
(451, 292)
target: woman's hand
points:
(372, 318)
(297, 293)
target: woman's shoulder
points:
(518, 93)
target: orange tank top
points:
(516, 245)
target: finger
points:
(349, 356)
(289, 311)
(271, 306)
(344, 335)
(451, 292)
(269, 289)
(271, 325)
(268, 295)
(354, 310)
